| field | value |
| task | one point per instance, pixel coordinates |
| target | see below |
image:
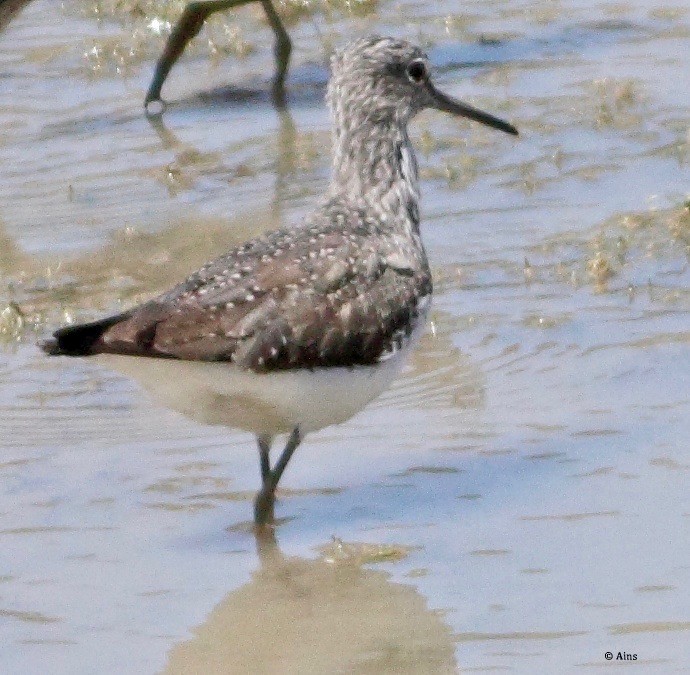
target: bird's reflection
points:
(179, 175)
(328, 615)
(189, 158)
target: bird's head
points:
(385, 80)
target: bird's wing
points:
(299, 298)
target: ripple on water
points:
(525, 481)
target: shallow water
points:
(518, 501)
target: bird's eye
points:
(416, 71)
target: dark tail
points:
(78, 340)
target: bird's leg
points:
(189, 25)
(265, 499)
(282, 50)
(293, 441)
(264, 507)
(264, 443)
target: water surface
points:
(518, 501)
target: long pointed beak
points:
(440, 101)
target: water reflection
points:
(329, 615)
(190, 162)
(440, 375)
(535, 454)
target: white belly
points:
(268, 404)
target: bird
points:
(300, 328)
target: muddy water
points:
(517, 502)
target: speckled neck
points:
(374, 163)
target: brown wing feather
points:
(292, 299)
